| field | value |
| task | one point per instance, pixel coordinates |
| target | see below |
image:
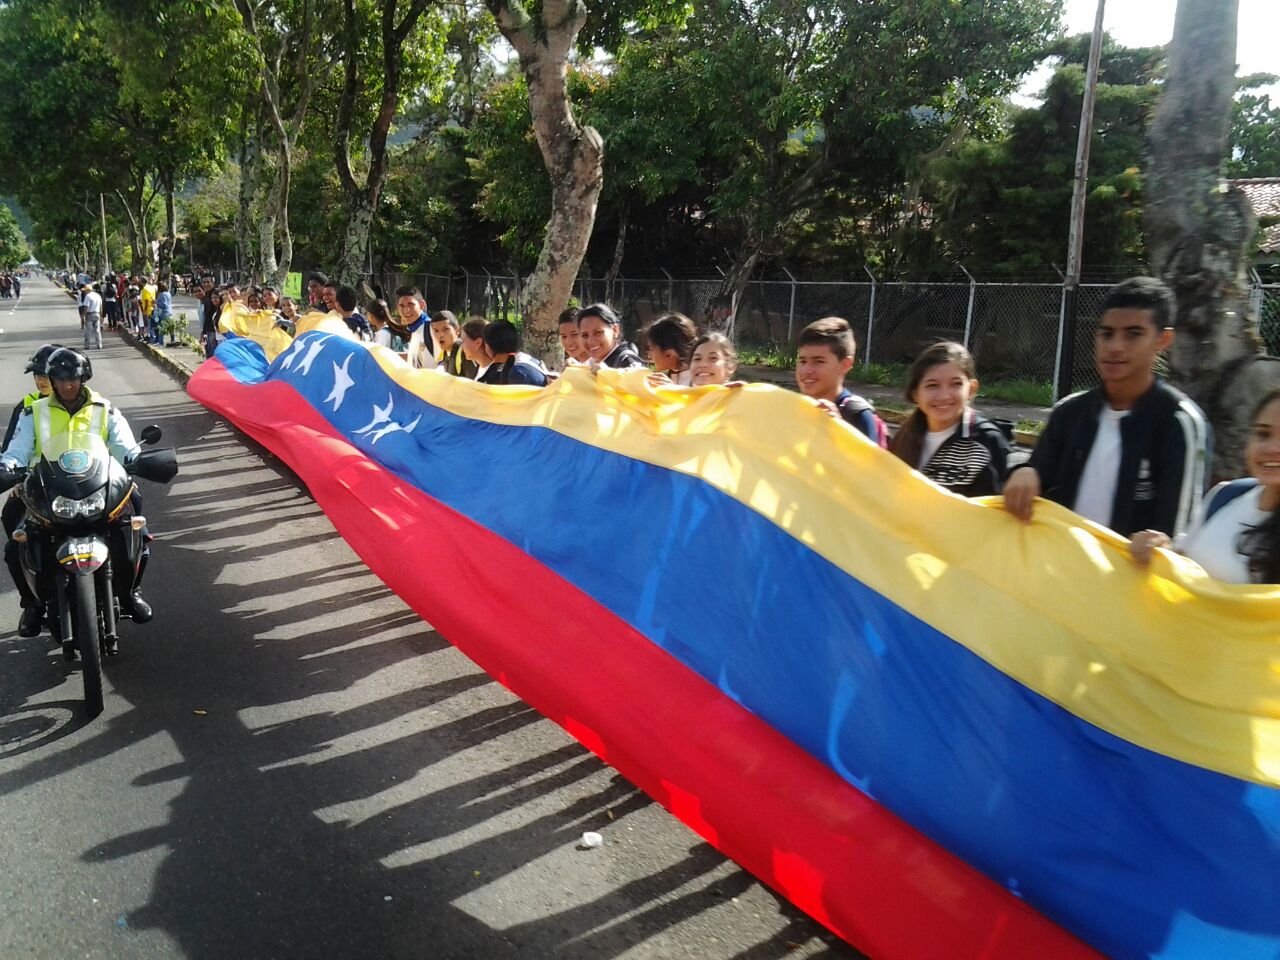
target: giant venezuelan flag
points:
(940, 732)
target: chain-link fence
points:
(1266, 300)
(1013, 329)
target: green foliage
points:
(1031, 393)
(798, 119)
(13, 245)
(880, 374)
(611, 23)
(1002, 206)
(1255, 131)
(514, 194)
(172, 325)
(134, 110)
(207, 213)
(777, 357)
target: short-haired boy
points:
(824, 356)
(411, 309)
(1133, 453)
(347, 302)
(446, 332)
(575, 351)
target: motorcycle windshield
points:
(75, 453)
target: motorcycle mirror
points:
(150, 434)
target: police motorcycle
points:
(77, 498)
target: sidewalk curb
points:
(176, 369)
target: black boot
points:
(31, 622)
(139, 609)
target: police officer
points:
(72, 406)
(11, 513)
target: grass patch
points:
(1032, 393)
(777, 357)
(880, 374)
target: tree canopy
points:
(737, 135)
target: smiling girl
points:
(1237, 540)
(713, 361)
(945, 438)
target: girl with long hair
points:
(944, 437)
(671, 338)
(1237, 538)
(713, 361)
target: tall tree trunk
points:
(164, 267)
(619, 250)
(1199, 231)
(144, 224)
(734, 285)
(354, 253)
(250, 157)
(573, 155)
(362, 199)
(268, 215)
(137, 260)
(275, 269)
(284, 128)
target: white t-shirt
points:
(382, 337)
(92, 302)
(421, 349)
(932, 441)
(1215, 544)
(1096, 496)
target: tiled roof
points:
(1264, 196)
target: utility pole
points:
(106, 257)
(1075, 241)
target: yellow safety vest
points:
(52, 418)
(31, 398)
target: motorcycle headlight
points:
(64, 508)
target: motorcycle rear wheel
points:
(87, 642)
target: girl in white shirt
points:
(1237, 539)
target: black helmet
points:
(40, 358)
(67, 364)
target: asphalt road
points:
(292, 764)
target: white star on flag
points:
(341, 383)
(290, 355)
(393, 427)
(380, 416)
(304, 365)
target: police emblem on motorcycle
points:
(74, 461)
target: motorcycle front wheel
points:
(87, 642)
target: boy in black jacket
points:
(1132, 454)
